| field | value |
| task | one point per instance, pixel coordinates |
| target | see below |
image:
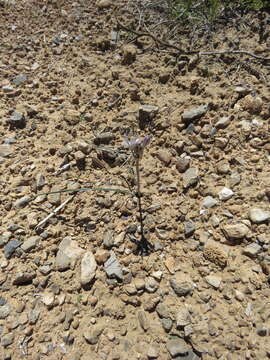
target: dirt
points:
(73, 286)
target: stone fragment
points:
(152, 352)
(151, 285)
(48, 299)
(213, 280)
(225, 194)
(104, 4)
(91, 335)
(143, 321)
(6, 150)
(252, 250)
(189, 228)
(129, 54)
(223, 122)
(258, 215)
(235, 231)
(194, 114)
(112, 267)
(19, 79)
(190, 177)
(102, 256)
(164, 156)
(216, 253)
(146, 114)
(30, 243)
(10, 248)
(209, 202)
(182, 318)
(4, 311)
(68, 254)
(22, 202)
(24, 277)
(88, 268)
(7, 340)
(104, 138)
(72, 117)
(181, 288)
(252, 104)
(167, 324)
(235, 179)
(177, 347)
(17, 120)
(182, 164)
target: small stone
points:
(104, 138)
(194, 114)
(68, 254)
(181, 288)
(225, 194)
(258, 215)
(157, 275)
(236, 231)
(48, 299)
(33, 316)
(30, 243)
(239, 295)
(190, 177)
(10, 248)
(108, 239)
(223, 122)
(143, 321)
(235, 179)
(45, 269)
(146, 114)
(177, 347)
(6, 150)
(88, 268)
(101, 256)
(7, 88)
(4, 311)
(262, 330)
(151, 285)
(216, 253)
(152, 352)
(189, 227)
(91, 335)
(17, 120)
(22, 202)
(252, 250)
(104, 4)
(252, 104)
(7, 340)
(182, 164)
(209, 202)
(182, 318)
(112, 267)
(164, 156)
(24, 277)
(214, 281)
(129, 54)
(19, 79)
(223, 167)
(167, 324)
(139, 283)
(169, 262)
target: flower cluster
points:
(137, 145)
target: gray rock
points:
(112, 267)
(19, 79)
(167, 324)
(214, 281)
(88, 268)
(7, 88)
(152, 352)
(182, 164)
(3, 301)
(189, 227)
(235, 179)
(181, 288)
(22, 202)
(235, 231)
(6, 150)
(45, 269)
(92, 335)
(258, 215)
(40, 181)
(177, 347)
(24, 277)
(30, 243)
(33, 316)
(162, 311)
(225, 194)
(182, 318)
(7, 340)
(194, 114)
(62, 261)
(223, 122)
(108, 239)
(10, 248)
(190, 177)
(17, 120)
(4, 311)
(252, 250)
(151, 285)
(55, 198)
(104, 138)
(209, 202)
(143, 321)
(164, 156)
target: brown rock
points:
(129, 54)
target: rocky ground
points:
(73, 287)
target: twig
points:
(192, 52)
(42, 222)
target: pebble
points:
(164, 156)
(190, 177)
(146, 114)
(4, 311)
(178, 347)
(17, 120)
(143, 321)
(22, 202)
(189, 228)
(258, 216)
(252, 250)
(235, 231)
(167, 324)
(235, 179)
(7, 340)
(88, 268)
(182, 164)
(48, 299)
(104, 4)
(108, 239)
(152, 352)
(5, 150)
(104, 138)
(11, 247)
(92, 335)
(214, 281)
(225, 194)
(112, 267)
(223, 122)
(216, 253)
(209, 202)
(182, 318)
(194, 114)
(33, 316)
(181, 288)
(30, 243)
(151, 285)
(68, 254)
(19, 79)
(24, 277)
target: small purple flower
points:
(137, 145)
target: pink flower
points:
(137, 145)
